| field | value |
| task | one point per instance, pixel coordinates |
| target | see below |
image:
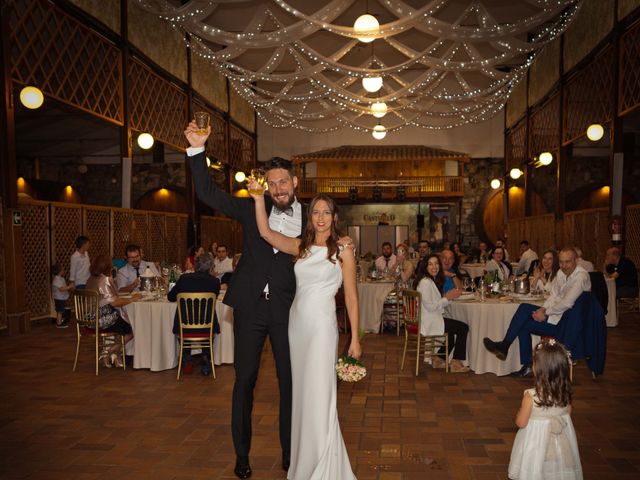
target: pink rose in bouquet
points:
(349, 369)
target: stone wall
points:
(478, 174)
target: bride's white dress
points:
(317, 448)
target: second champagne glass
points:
(259, 175)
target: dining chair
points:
(424, 346)
(628, 304)
(87, 310)
(195, 314)
(390, 310)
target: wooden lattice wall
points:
(629, 98)
(50, 229)
(516, 152)
(544, 128)
(242, 149)
(65, 59)
(217, 145)
(223, 231)
(539, 231)
(632, 233)
(588, 230)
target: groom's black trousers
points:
(251, 329)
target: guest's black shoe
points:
(243, 469)
(499, 349)
(286, 460)
(525, 372)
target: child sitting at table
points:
(546, 445)
(60, 291)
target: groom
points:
(261, 290)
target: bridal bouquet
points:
(349, 369)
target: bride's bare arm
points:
(276, 239)
(351, 298)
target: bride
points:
(318, 451)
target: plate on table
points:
(466, 296)
(523, 297)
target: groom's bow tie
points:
(288, 211)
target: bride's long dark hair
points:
(309, 234)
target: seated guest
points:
(433, 323)
(112, 317)
(527, 255)
(624, 271)
(483, 251)
(213, 248)
(128, 278)
(570, 282)
(423, 251)
(190, 261)
(460, 256)
(199, 281)
(586, 264)
(501, 243)
(451, 274)
(497, 264)
(545, 271)
(222, 263)
(404, 266)
(386, 261)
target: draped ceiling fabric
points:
(298, 62)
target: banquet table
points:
(489, 319)
(154, 345)
(371, 297)
(474, 269)
(612, 307)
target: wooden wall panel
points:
(223, 231)
(539, 231)
(37, 259)
(517, 103)
(96, 224)
(3, 272)
(544, 72)
(588, 230)
(632, 233)
(66, 226)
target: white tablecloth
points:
(487, 319)
(474, 269)
(612, 308)
(371, 297)
(154, 346)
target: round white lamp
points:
(31, 97)
(145, 141)
(366, 24)
(379, 132)
(495, 183)
(595, 132)
(379, 109)
(545, 158)
(515, 173)
(240, 177)
(372, 84)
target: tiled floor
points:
(136, 424)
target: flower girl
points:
(545, 446)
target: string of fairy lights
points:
(463, 72)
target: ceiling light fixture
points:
(545, 158)
(515, 173)
(240, 177)
(367, 24)
(379, 132)
(372, 84)
(379, 109)
(595, 132)
(145, 141)
(495, 183)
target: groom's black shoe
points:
(525, 372)
(499, 349)
(243, 469)
(286, 460)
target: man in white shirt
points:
(128, 278)
(570, 282)
(80, 264)
(222, 264)
(387, 260)
(526, 257)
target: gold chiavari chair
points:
(196, 313)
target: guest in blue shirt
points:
(451, 274)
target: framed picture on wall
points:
(441, 232)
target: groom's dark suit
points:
(255, 317)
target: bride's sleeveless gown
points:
(317, 448)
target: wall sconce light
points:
(366, 24)
(31, 97)
(495, 183)
(515, 173)
(145, 141)
(595, 132)
(240, 177)
(545, 158)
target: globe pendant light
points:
(372, 84)
(379, 132)
(145, 141)
(31, 97)
(495, 183)
(515, 173)
(366, 24)
(545, 158)
(595, 132)
(379, 109)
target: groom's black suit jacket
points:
(258, 264)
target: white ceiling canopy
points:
(443, 63)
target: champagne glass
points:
(202, 120)
(259, 175)
(466, 283)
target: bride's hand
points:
(355, 350)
